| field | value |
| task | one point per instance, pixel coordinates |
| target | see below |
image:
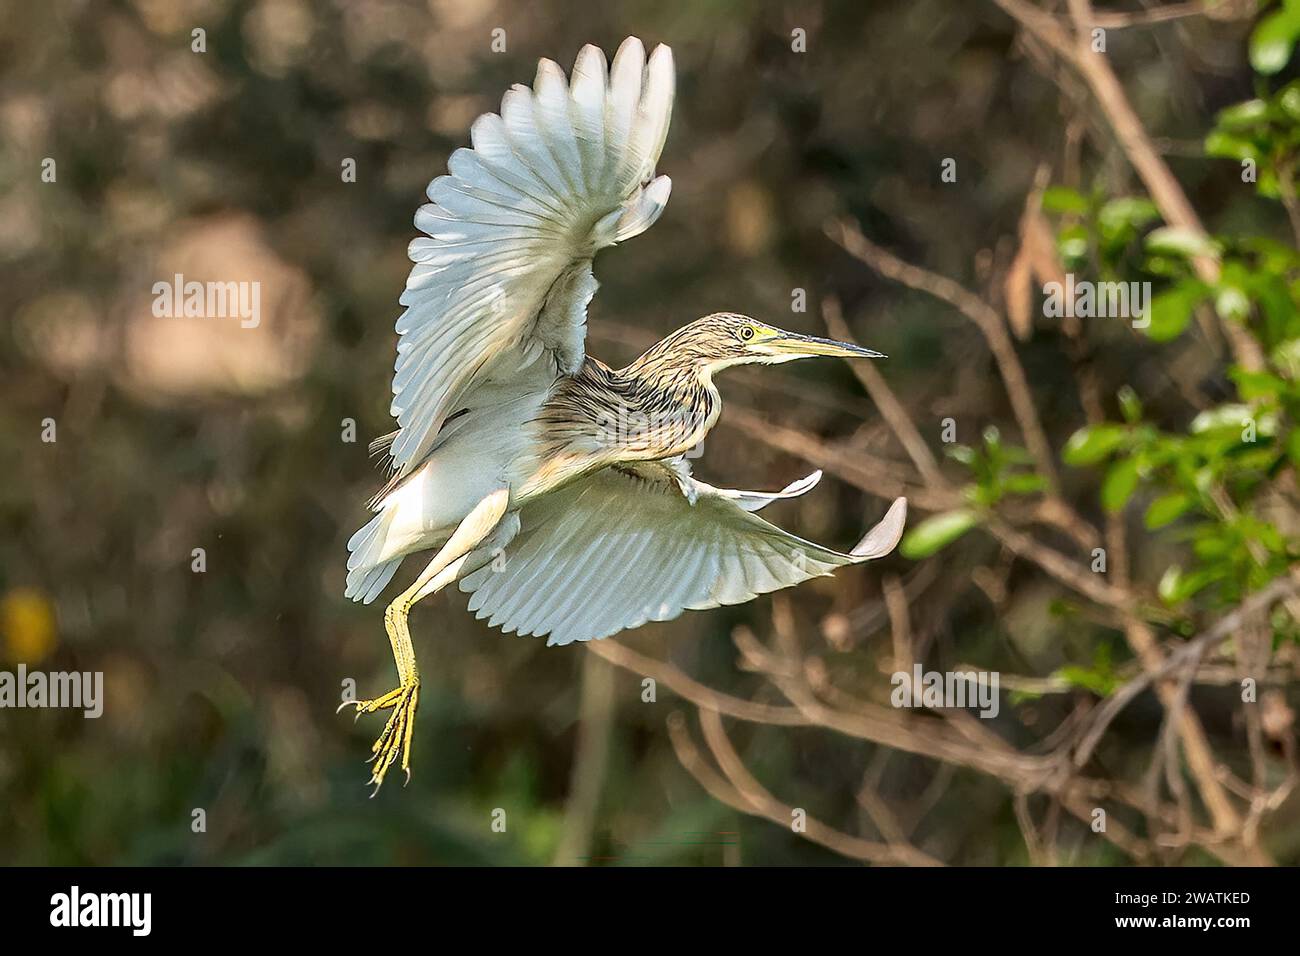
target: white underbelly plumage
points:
(480, 455)
(531, 437)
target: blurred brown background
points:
(176, 434)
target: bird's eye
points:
(747, 333)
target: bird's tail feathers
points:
(366, 584)
(368, 571)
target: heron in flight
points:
(555, 488)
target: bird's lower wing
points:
(627, 546)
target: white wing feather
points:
(620, 548)
(504, 275)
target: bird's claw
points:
(395, 739)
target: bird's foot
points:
(395, 740)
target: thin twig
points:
(1185, 655)
(851, 239)
(1074, 47)
(890, 407)
(741, 791)
(687, 687)
(1109, 20)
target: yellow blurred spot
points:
(749, 219)
(27, 622)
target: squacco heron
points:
(555, 488)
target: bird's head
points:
(724, 339)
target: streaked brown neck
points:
(656, 407)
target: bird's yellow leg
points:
(403, 700)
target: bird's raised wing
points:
(626, 546)
(504, 275)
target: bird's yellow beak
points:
(794, 345)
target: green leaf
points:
(1287, 358)
(1130, 406)
(937, 532)
(1228, 145)
(1288, 100)
(1168, 586)
(1275, 257)
(1243, 115)
(1177, 241)
(1062, 199)
(1092, 443)
(1176, 587)
(1025, 484)
(1274, 39)
(962, 453)
(1072, 243)
(1126, 212)
(1275, 302)
(1293, 447)
(1253, 386)
(1119, 484)
(1231, 415)
(1232, 304)
(1172, 310)
(1099, 683)
(1166, 509)
(1268, 183)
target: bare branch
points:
(687, 687)
(744, 793)
(1188, 655)
(1133, 138)
(850, 238)
(890, 407)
